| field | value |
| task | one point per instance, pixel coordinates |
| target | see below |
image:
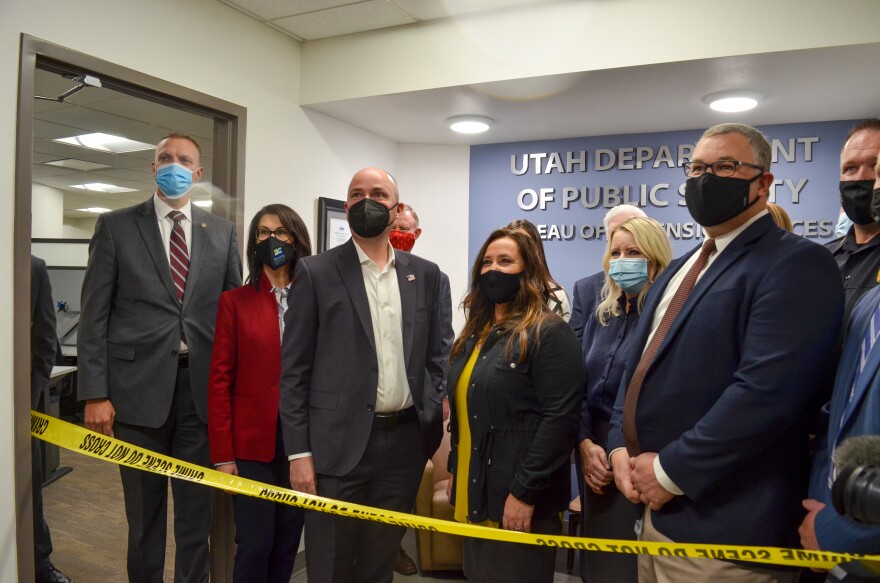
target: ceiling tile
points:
(272, 9)
(434, 9)
(349, 19)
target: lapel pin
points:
(410, 277)
(204, 225)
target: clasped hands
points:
(636, 480)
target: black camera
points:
(856, 494)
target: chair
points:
(437, 551)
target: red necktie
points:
(635, 384)
(179, 254)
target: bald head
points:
(374, 183)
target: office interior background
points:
(330, 86)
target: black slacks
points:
(266, 533)
(183, 436)
(42, 537)
(351, 550)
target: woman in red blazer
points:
(243, 427)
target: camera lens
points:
(856, 494)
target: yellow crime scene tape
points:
(81, 440)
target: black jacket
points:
(523, 421)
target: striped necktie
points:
(179, 254)
(635, 384)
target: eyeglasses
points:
(723, 168)
(281, 234)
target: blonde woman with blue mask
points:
(638, 251)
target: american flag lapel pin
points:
(410, 277)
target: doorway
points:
(81, 95)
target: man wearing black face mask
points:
(710, 428)
(858, 252)
(362, 367)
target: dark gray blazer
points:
(129, 330)
(329, 369)
(43, 336)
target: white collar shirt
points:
(386, 314)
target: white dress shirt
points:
(383, 295)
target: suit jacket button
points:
(369, 408)
(173, 353)
(373, 369)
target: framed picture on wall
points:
(332, 225)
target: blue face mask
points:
(174, 180)
(630, 274)
(843, 225)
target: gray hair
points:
(761, 151)
(622, 212)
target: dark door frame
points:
(227, 174)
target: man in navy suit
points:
(854, 410)
(585, 295)
(713, 437)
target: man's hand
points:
(807, 529)
(302, 475)
(517, 515)
(445, 409)
(594, 465)
(99, 416)
(645, 481)
(449, 489)
(623, 476)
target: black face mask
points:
(712, 200)
(274, 253)
(875, 204)
(856, 200)
(368, 218)
(500, 287)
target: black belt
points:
(183, 360)
(392, 420)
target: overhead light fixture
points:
(101, 187)
(733, 101)
(203, 203)
(76, 164)
(106, 143)
(94, 209)
(470, 124)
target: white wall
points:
(292, 156)
(78, 228)
(434, 181)
(547, 38)
(47, 212)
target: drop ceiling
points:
(107, 111)
(805, 85)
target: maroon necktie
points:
(179, 254)
(635, 383)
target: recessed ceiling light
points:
(94, 209)
(469, 124)
(106, 143)
(203, 203)
(733, 101)
(76, 164)
(101, 187)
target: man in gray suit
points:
(149, 300)
(362, 368)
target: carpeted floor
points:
(86, 517)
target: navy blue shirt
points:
(605, 349)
